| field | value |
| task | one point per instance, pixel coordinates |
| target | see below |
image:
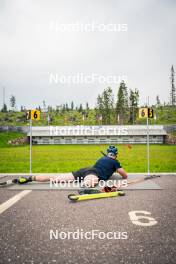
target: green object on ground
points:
(84, 197)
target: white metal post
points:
(148, 149)
(148, 142)
(30, 144)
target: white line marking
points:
(4, 206)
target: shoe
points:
(23, 180)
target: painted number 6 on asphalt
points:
(137, 217)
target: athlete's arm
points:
(123, 173)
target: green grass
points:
(6, 136)
(65, 158)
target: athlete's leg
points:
(91, 180)
(57, 178)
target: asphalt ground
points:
(149, 184)
(25, 227)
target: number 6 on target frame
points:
(35, 115)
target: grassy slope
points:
(6, 136)
(64, 158)
(165, 115)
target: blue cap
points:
(113, 150)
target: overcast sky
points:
(37, 43)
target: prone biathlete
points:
(103, 169)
